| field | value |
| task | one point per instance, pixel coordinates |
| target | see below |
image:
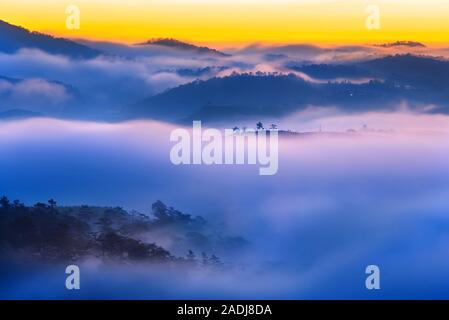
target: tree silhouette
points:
(17, 204)
(52, 203)
(105, 223)
(191, 258)
(259, 126)
(4, 202)
(215, 262)
(52, 233)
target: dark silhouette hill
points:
(418, 80)
(50, 233)
(406, 69)
(412, 44)
(179, 45)
(271, 94)
(418, 71)
(14, 38)
(426, 77)
(331, 71)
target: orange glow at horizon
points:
(237, 21)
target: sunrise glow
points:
(237, 21)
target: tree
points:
(191, 255)
(215, 262)
(169, 215)
(16, 204)
(212, 261)
(105, 223)
(191, 258)
(273, 126)
(40, 207)
(259, 126)
(159, 210)
(4, 202)
(52, 203)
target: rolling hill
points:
(414, 79)
(179, 45)
(262, 95)
(14, 38)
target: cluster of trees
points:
(51, 233)
(259, 126)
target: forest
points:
(49, 233)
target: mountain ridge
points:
(15, 38)
(397, 79)
(173, 43)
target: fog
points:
(337, 204)
(58, 86)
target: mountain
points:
(418, 80)
(199, 72)
(179, 45)
(419, 72)
(195, 72)
(14, 38)
(330, 71)
(263, 95)
(412, 44)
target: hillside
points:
(112, 234)
(179, 45)
(257, 94)
(14, 38)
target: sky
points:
(237, 21)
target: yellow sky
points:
(237, 21)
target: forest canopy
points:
(50, 233)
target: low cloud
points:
(33, 95)
(131, 73)
(337, 203)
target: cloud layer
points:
(128, 74)
(336, 205)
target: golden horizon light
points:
(233, 22)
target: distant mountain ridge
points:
(176, 44)
(415, 79)
(14, 38)
(406, 69)
(402, 44)
(249, 94)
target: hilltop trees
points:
(4, 202)
(259, 126)
(114, 245)
(53, 233)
